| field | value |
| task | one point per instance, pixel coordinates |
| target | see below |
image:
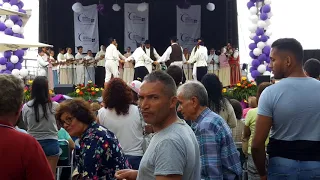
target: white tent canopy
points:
(14, 43)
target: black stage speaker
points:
(64, 89)
(261, 79)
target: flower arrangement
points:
(27, 91)
(242, 90)
(88, 92)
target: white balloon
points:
(15, 72)
(257, 51)
(142, 7)
(253, 28)
(270, 14)
(14, 8)
(261, 45)
(262, 68)
(268, 22)
(24, 72)
(16, 29)
(2, 67)
(21, 30)
(254, 18)
(267, 73)
(211, 6)
(236, 54)
(3, 19)
(269, 42)
(253, 10)
(268, 32)
(77, 7)
(6, 5)
(116, 7)
(262, 24)
(252, 35)
(9, 23)
(1, 2)
(259, 4)
(267, 1)
(14, 59)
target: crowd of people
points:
(109, 63)
(161, 128)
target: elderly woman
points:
(100, 155)
(122, 117)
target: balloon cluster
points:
(260, 14)
(11, 61)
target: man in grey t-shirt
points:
(173, 153)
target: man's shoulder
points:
(212, 122)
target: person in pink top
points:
(252, 102)
(224, 71)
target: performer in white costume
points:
(199, 59)
(141, 60)
(63, 73)
(112, 61)
(89, 67)
(152, 53)
(79, 66)
(213, 62)
(70, 68)
(128, 68)
(100, 70)
(42, 63)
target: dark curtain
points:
(315, 53)
(57, 23)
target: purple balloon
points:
(6, 1)
(18, 66)
(20, 5)
(16, 35)
(19, 53)
(10, 66)
(268, 60)
(14, 2)
(266, 8)
(8, 31)
(259, 31)
(266, 50)
(21, 36)
(7, 72)
(19, 23)
(252, 69)
(269, 69)
(2, 71)
(262, 58)
(15, 18)
(3, 61)
(255, 74)
(253, 1)
(252, 46)
(250, 4)
(25, 49)
(22, 11)
(264, 38)
(252, 55)
(2, 26)
(255, 63)
(263, 16)
(20, 59)
(256, 39)
(7, 54)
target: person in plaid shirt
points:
(219, 156)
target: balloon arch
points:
(260, 15)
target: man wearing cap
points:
(151, 52)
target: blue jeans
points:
(55, 78)
(282, 168)
(50, 147)
(134, 161)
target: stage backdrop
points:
(136, 25)
(189, 26)
(86, 31)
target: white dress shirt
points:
(61, 58)
(200, 57)
(98, 56)
(155, 53)
(90, 59)
(140, 57)
(112, 54)
(53, 67)
(79, 57)
(69, 56)
(215, 59)
(42, 61)
(166, 56)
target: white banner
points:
(136, 25)
(189, 26)
(86, 33)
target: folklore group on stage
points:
(109, 63)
